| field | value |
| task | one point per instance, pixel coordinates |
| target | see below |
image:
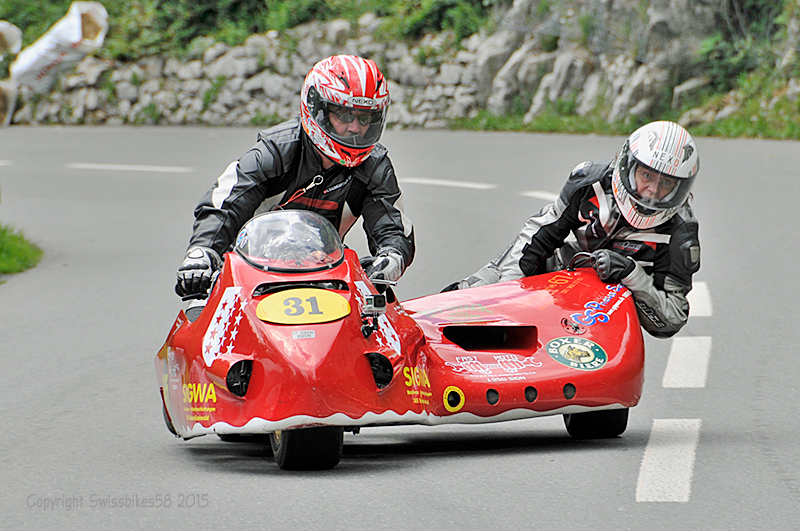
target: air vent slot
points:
(274, 287)
(492, 338)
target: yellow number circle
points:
(302, 306)
(453, 399)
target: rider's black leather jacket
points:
(284, 161)
(666, 256)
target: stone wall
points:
(608, 57)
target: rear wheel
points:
(318, 448)
(597, 424)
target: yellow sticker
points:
(453, 398)
(303, 306)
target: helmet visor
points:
(653, 189)
(350, 127)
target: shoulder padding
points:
(584, 174)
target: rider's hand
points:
(386, 265)
(611, 266)
(194, 275)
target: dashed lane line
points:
(540, 194)
(451, 184)
(668, 464)
(700, 300)
(687, 366)
(126, 167)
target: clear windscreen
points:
(290, 240)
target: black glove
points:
(451, 287)
(196, 272)
(611, 266)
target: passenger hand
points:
(196, 272)
(611, 266)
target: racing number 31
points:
(295, 306)
(303, 306)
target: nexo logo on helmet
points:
(363, 102)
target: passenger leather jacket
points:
(666, 256)
(284, 161)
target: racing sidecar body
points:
(296, 342)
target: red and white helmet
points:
(343, 84)
(667, 149)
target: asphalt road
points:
(79, 404)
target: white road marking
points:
(668, 463)
(126, 167)
(699, 300)
(687, 366)
(452, 184)
(540, 194)
(6, 162)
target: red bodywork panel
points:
(488, 354)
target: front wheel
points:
(597, 424)
(318, 448)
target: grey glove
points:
(386, 265)
(196, 272)
(611, 266)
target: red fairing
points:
(551, 344)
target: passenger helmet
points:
(342, 84)
(667, 149)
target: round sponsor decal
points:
(453, 398)
(577, 353)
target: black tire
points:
(248, 438)
(318, 448)
(597, 424)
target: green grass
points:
(550, 121)
(16, 253)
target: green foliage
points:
(151, 112)
(16, 253)
(33, 17)
(588, 24)
(543, 9)
(412, 19)
(139, 28)
(766, 112)
(549, 42)
(744, 41)
(284, 15)
(566, 107)
(210, 96)
(550, 121)
(726, 60)
(262, 120)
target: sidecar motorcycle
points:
(295, 343)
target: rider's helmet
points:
(352, 88)
(668, 153)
